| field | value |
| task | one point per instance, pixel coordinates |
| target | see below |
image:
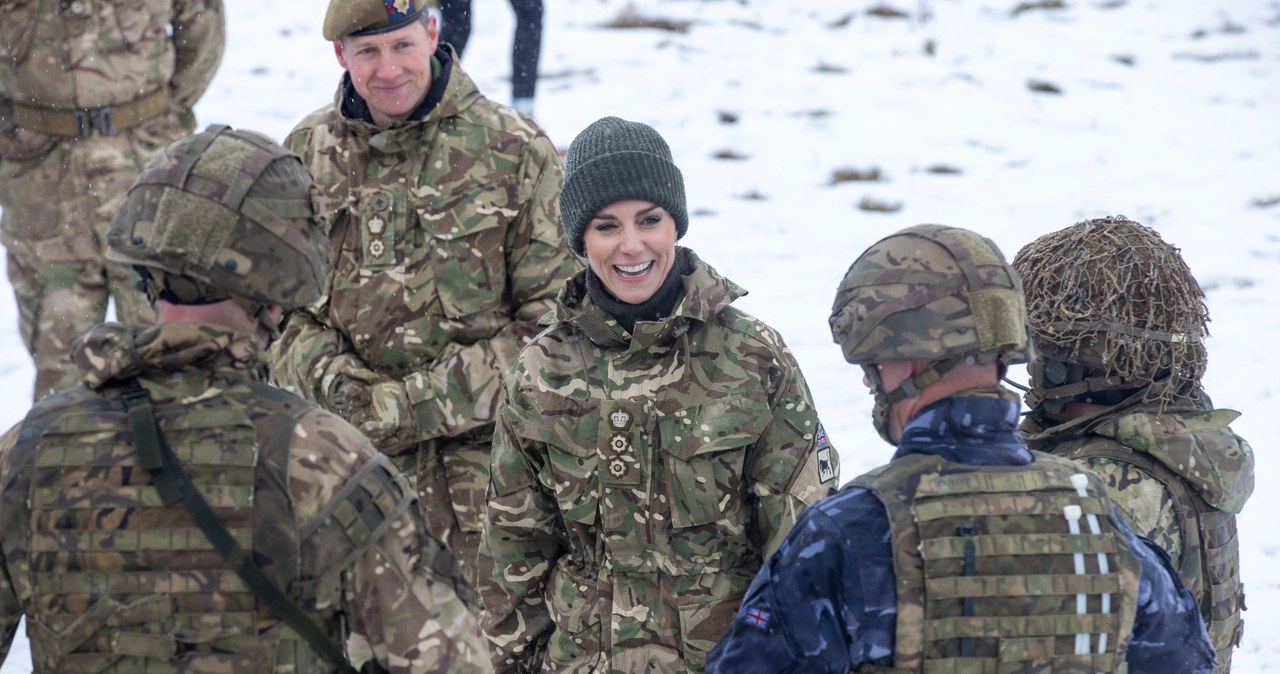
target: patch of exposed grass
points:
(852, 175)
(887, 12)
(629, 18)
(1222, 56)
(1038, 4)
(879, 205)
(1043, 87)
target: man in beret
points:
(447, 250)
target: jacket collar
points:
(114, 353)
(706, 294)
(451, 92)
(978, 427)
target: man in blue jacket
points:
(967, 552)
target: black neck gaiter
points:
(660, 305)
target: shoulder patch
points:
(756, 618)
(822, 454)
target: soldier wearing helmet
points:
(967, 551)
(1118, 323)
(176, 513)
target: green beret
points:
(347, 18)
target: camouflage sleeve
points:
(10, 606)
(311, 357)
(199, 37)
(1145, 502)
(539, 260)
(520, 547)
(537, 263)
(404, 615)
(373, 557)
(793, 464)
(1168, 633)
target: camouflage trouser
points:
(60, 300)
(57, 208)
(452, 475)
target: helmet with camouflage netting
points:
(224, 214)
(943, 295)
(1114, 312)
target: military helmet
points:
(225, 214)
(1112, 307)
(931, 293)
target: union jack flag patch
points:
(757, 618)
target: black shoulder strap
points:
(156, 456)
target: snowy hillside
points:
(808, 130)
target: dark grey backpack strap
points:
(157, 457)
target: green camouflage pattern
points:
(59, 194)
(1180, 477)
(447, 251)
(639, 480)
(1007, 525)
(111, 579)
(931, 293)
(182, 217)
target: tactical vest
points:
(122, 583)
(995, 577)
(1210, 560)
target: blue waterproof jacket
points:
(825, 601)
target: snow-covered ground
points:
(1011, 119)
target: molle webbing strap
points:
(976, 546)
(1191, 565)
(180, 172)
(1210, 561)
(157, 457)
(253, 167)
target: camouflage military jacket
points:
(1181, 476)
(89, 54)
(639, 480)
(828, 600)
(108, 576)
(447, 251)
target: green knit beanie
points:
(615, 160)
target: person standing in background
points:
(1119, 323)
(89, 91)
(526, 45)
(447, 251)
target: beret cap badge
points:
(355, 18)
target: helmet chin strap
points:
(909, 388)
(261, 314)
(1056, 383)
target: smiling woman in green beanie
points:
(655, 443)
